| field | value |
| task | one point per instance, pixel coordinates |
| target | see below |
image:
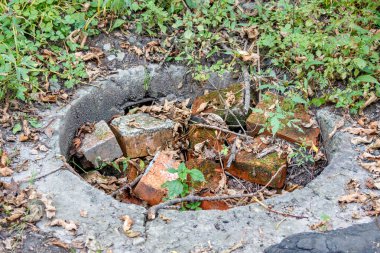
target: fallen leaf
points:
(336, 128)
(359, 131)
(83, 213)
(353, 198)
(6, 172)
(23, 138)
(59, 243)
(373, 167)
(69, 226)
(132, 234)
(375, 145)
(361, 140)
(202, 107)
(49, 208)
(128, 222)
(370, 100)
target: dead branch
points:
(266, 151)
(224, 130)
(191, 198)
(247, 88)
(233, 154)
(127, 186)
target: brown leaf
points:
(69, 226)
(49, 208)
(202, 107)
(353, 198)
(128, 222)
(375, 145)
(373, 167)
(23, 138)
(59, 243)
(359, 131)
(5, 172)
(370, 100)
(83, 213)
(338, 125)
(361, 140)
(48, 98)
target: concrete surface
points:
(177, 231)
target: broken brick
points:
(259, 170)
(232, 98)
(212, 171)
(213, 138)
(141, 134)
(213, 205)
(150, 187)
(100, 145)
(256, 121)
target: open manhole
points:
(207, 146)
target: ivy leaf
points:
(360, 63)
(16, 128)
(299, 100)
(182, 171)
(174, 188)
(196, 175)
(311, 63)
(172, 170)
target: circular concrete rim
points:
(181, 231)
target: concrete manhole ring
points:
(172, 230)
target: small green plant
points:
(183, 185)
(302, 156)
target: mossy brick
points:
(100, 145)
(256, 121)
(216, 104)
(215, 138)
(259, 170)
(140, 134)
(150, 187)
(212, 172)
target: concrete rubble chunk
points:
(100, 145)
(256, 120)
(217, 101)
(140, 134)
(259, 170)
(150, 187)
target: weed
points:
(182, 186)
(302, 156)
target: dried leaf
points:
(6, 172)
(59, 243)
(128, 222)
(49, 208)
(353, 198)
(69, 226)
(361, 140)
(201, 107)
(375, 145)
(83, 213)
(373, 167)
(359, 131)
(336, 128)
(132, 234)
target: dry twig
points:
(191, 198)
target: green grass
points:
(326, 51)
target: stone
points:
(100, 145)
(150, 187)
(212, 171)
(107, 47)
(111, 57)
(233, 95)
(259, 170)
(120, 56)
(256, 120)
(213, 205)
(141, 134)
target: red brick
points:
(216, 104)
(213, 205)
(140, 134)
(212, 171)
(259, 170)
(256, 121)
(150, 187)
(215, 138)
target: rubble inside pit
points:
(129, 156)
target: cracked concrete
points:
(185, 231)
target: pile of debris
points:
(235, 150)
